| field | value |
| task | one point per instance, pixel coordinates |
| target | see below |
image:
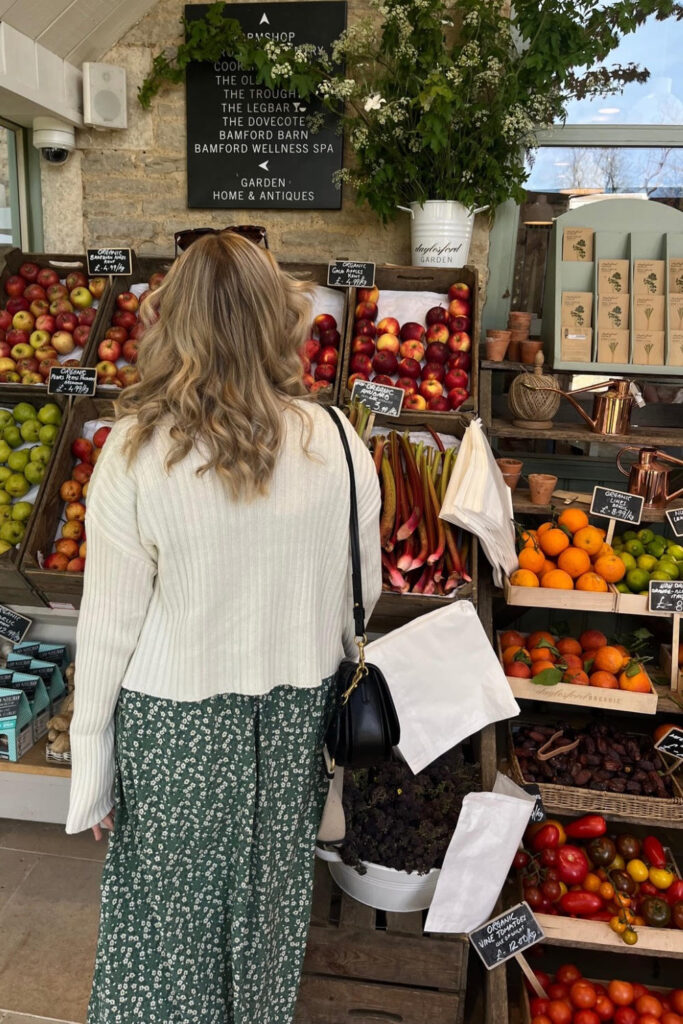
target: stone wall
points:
(129, 187)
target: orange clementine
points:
(601, 531)
(542, 654)
(558, 579)
(575, 676)
(518, 670)
(524, 578)
(605, 680)
(592, 638)
(572, 661)
(589, 658)
(568, 645)
(662, 730)
(624, 650)
(610, 567)
(544, 527)
(541, 666)
(589, 538)
(534, 639)
(609, 659)
(575, 561)
(548, 566)
(606, 549)
(510, 652)
(573, 519)
(533, 559)
(591, 581)
(527, 537)
(638, 683)
(510, 637)
(553, 541)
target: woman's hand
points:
(107, 822)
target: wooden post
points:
(610, 531)
(675, 645)
(529, 974)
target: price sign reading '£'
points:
(72, 380)
(109, 262)
(627, 508)
(349, 274)
(380, 398)
(13, 627)
(506, 936)
(666, 596)
(672, 743)
(675, 517)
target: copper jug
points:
(611, 408)
(648, 477)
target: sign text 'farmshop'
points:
(250, 147)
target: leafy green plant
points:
(439, 100)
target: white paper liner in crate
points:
(90, 428)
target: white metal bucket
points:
(383, 888)
(441, 232)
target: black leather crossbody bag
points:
(364, 725)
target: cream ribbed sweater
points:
(189, 594)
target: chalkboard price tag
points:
(666, 596)
(349, 274)
(72, 380)
(675, 517)
(13, 627)
(109, 262)
(380, 398)
(627, 508)
(538, 814)
(672, 743)
(506, 936)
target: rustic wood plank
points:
(356, 915)
(566, 931)
(521, 502)
(580, 434)
(322, 894)
(404, 924)
(496, 996)
(337, 1001)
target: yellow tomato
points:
(592, 883)
(618, 864)
(617, 926)
(630, 937)
(637, 869)
(661, 878)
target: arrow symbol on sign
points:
(264, 19)
(264, 165)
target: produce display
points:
(117, 353)
(573, 999)
(581, 870)
(70, 549)
(320, 353)
(27, 435)
(45, 322)
(429, 361)
(646, 556)
(598, 757)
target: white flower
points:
(374, 102)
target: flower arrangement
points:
(439, 100)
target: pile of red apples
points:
(429, 362)
(44, 320)
(70, 550)
(118, 351)
(320, 353)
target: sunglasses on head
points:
(184, 239)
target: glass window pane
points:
(656, 173)
(10, 233)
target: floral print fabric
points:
(207, 882)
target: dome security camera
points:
(54, 138)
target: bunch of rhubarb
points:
(421, 554)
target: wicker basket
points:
(575, 799)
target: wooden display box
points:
(14, 587)
(365, 965)
(665, 663)
(573, 931)
(422, 279)
(547, 597)
(634, 604)
(59, 589)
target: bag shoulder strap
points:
(354, 532)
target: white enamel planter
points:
(382, 888)
(441, 232)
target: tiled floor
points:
(49, 908)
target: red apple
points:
(17, 305)
(96, 286)
(366, 311)
(82, 471)
(63, 342)
(56, 561)
(460, 361)
(320, 385)
(310, 348)
(46, 323)
(76, 279)
(436, 353)
(5, 350)
(29, 364)
(71, 362)
(330, 338)
(439, 404)
(29, 271)
(455, 379)
(29, 377)
(23, 321)
(381, 378)
(127, 301)
(106, 371)
(129, 351)
(39, 307)
(22, 350)
(412, 332)
(87, 316)
(459, 290)
(328, 355)
(407, 385)
(308, 381)
(5, 320)
(438, 333)
(431, 389)
(76, 565)
(354, 377)
(47, 277)
(415, 403)
(15, 337)
(57, 291)
(456, 396)
(127, 376)
(45, 365)
(81, 449)
(388, 343)
(325, 371)
(433, 371)
(459, 307)
(34, 291)
(15, 285)
(409, 368)
(81, 335)
(156, 280)
(101, 436)
(389, 325)
(45, 352)
(109, 350)
(458, 323)
(38, 339)
(363, 345)
(81, 298)
(138, 331)
(436, 315)
(413, 350)
(9, 377)
(368, 294)
(61, 306)
(325, 322)
(365, 327)
(123, 318)
(66, 322)
(145, 296)
(385, 362)
(361, 363)
(460, 341)
(119, 334)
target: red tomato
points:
(520, 860)
(671, 1018)
(604, 1007)
(568, 974)
(548, 858)
(538, 1005)
(648, 1018)
(620, 992)
(586, 1017)
(648, 889)
(559, 1011)
(639, 990)
(625, 1015)
(557, 990)
(649, 1005)
(541, 1019)
(572, 864)
(676, 1000)
(582, 995)
(674, 892)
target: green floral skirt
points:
(207, 883)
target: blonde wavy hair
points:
(219, 360)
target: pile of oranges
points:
(588, 661)
(567, 555)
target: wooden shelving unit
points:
(34, 763)
(522, 504)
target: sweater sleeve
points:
(119, 579)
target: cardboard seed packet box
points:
(36, 694)
(648, 348)
(49, 673)
(676, 312)
(613, 277)
(613, 346)
(676, 276)
(577, 309)
(576, 344)
(16, 725)
(649, 277)
(648, 312)
(577, 245)
(613, 312)
(675, 356)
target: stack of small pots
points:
(497, 343)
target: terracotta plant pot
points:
(511, 470)
(497, 347)
(541, 486)
(514, 352)
(529, 350)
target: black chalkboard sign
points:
(675, 517)
(627, 508)
(9, 704)
(506, 936)
(109, 262)
(380, 398)
(666, 596)
(538, 814)
(672, 742)
(350, 274)
(249, 147)
(72, 380)
(13, 627)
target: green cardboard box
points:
(16, 725)
(36, 694)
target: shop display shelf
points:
(579, 434)
(522, 503)
(547, 597)
(597, 935)
(393, 610)
(34, 762)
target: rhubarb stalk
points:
(411, 523)
(388, 503)
(440, 545)
(395, 577)
(378, 451)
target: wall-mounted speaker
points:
(104, 96)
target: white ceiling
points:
(75, 30)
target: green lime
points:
(30, 430)
(630, 535)
(637, 579)
(23, 411)
(669, 567)
(48, 434)
(659, 575)
(676, 551)
(647, 562)
(17, 485)
(634, 547)
(19, 460)
(50, 413)
(622, 588)
(646, 536)
(21, 510)
(12, 436)
(656, 548)
(628, 560)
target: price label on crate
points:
(538, 814)
(675, 517)
(381, 398)
(72, 380)
(350, 274)
(109, 262)
(506, 936)
(13, 627)
(672, 743)
(666, 596)
(627, 508)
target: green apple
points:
(4, 546)
(21, 510)
(30, 430)
(50, 413)
(48, 434)
(5, 498)
(4, 473)
(12, 436)
(17, 485)
(23, 411)
(34, 473)
(41, 453)
(4, 451)
(5, 418)
(19, 460)
(12, 532)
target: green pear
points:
(4, 546)
(48, 434)
(4, 451)
(41, 453)
(5, 498)
(23, 411)
(12, 436)
(19, 460)
(30, 430)
(34, 473)
(12, 532)
(21, 510)
(17, 485)
(4, 473)
(50, 413)
(5, 418)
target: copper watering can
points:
(611, 408)
(649, 477)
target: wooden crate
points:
(573, 931)
(364, 965)
(547, 597)
(59, 588)
(422, 279)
